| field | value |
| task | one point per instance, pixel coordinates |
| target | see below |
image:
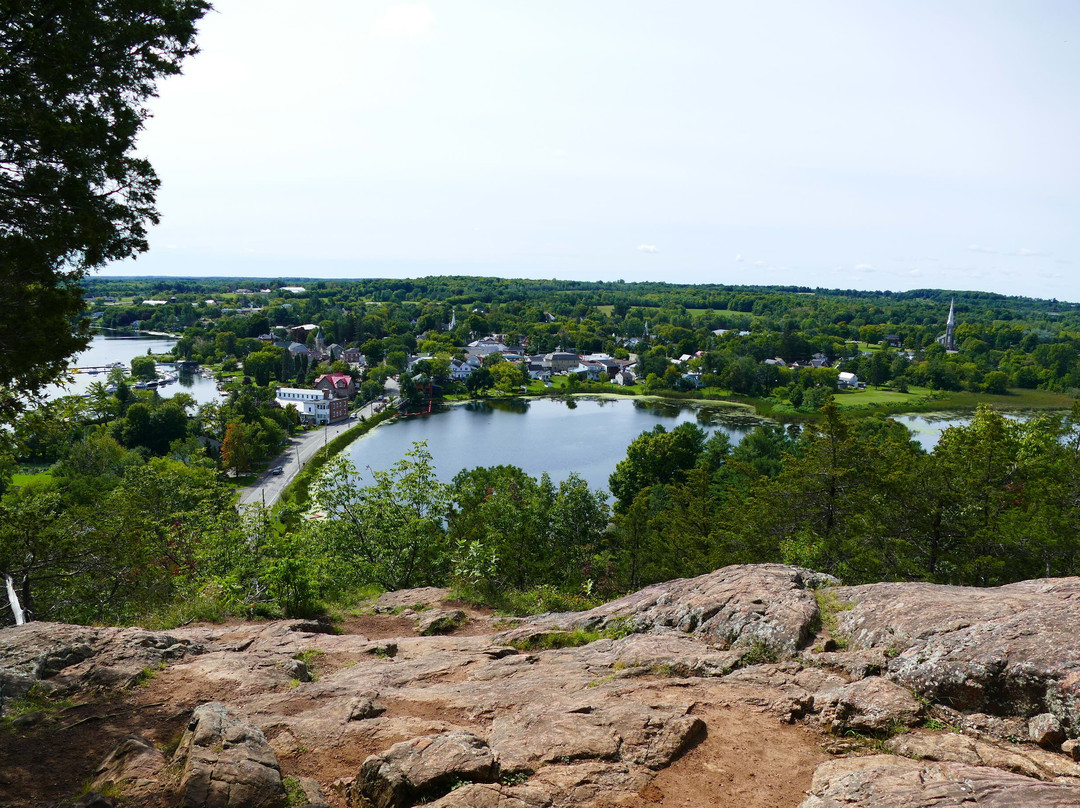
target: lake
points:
(584, 435)
(104, 349)
(927, 427)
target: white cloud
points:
(864, 267)
(648, 248)
(1025, 252)
(738, 257)
(406, 21)
(977, 248)
(759, 263)
(915, 273)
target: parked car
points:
(277, 470)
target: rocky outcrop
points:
(881, 781)
(1010, 650)
(225, 762)
(644, 697)
(953, 747)
(873, 705)
(632, 733)
(440, 621)
(410, 599)
(422, 769)
(767, 606)
(135, 767)
(58, 656)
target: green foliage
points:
(390, 532)
(656, 457)
(551, 640)
(537, 600)
(143, 367)
(294, 792)
(73, 89)
(758, 654)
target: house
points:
(314, 406)
(694, 379)
(847, 380)
(487, 345)
(560, 361)
(460, 371)
(593, 371)
(777, 361)
(294, 290)
(892, 340)
(625, 378)
(351, 355)
(339, 385)
(296, 349)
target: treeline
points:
(112, 535)
(996, 501)
(1004, 342)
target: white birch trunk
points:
(13, 600)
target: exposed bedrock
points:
(1011, 650)
(648, 691)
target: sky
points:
(854, 145)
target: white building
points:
(316, 406)
(846, 379)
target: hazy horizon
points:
(844, 145)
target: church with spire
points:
(948, 339)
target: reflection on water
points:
(105, 349)
(518, 406)
(549, 439)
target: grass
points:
(521, 603)
(878, 397)
(147, 675)
(829, 606)
(294, 792)
(758, 654)
(36, 699)
(309, 657)
(36, 480)
(551, 640)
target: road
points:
(299, 451)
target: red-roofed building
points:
(339, 385)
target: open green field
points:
(884, 397)
(922, 399)
(1016, 399)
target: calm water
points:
(105, 349)
(927, 427)
(587, 436)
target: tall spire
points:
(949, 340)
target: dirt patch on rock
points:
(747, 759)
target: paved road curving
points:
(268, 487)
